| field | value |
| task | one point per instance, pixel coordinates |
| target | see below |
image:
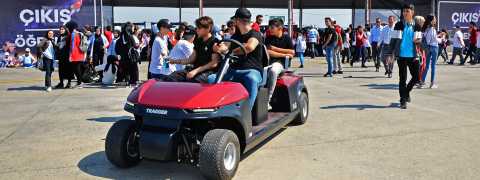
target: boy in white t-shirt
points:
(183, 49)
(458, 46)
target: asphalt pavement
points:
(355, 130)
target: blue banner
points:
(25, 22)
(461, 13)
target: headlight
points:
(203, 110)
(128, 103)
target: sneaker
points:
(59, 86)
(450, 62)
(339, 72)
(68, 86)
(389, 75)
(433, 86)
(48, 89)
(377, 69)
(363, 66)
(334, 72)
(403, 105)
(79, 86)
(301, 66)
(269, 107)
(408, 100)
(328, 75)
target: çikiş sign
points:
(461, 13)
(25, 22)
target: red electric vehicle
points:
(206, 125)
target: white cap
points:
(27, 49)
(7, 54)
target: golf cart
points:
(205, 125)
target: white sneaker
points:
(433, 86)
(269, 107)
(49, 89)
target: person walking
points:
(64, 65)
(330, 42)
(404, 39)
(347, 52)
(312, 41)
(47, 50)
(458, 45)
(375, 41)
(442, 51)
(472, 48)
(301, 46)
(360, 39)
(387, 55)
(432, 40)
(337, 64)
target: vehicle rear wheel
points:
(303, 107)
(219, 154)
(121, 144)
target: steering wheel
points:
(229, 56)
(233, 44)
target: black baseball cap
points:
(163, 23)
(189, 32)
(243, 13)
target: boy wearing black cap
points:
(248, 69)
(203, 58)
(158, 66)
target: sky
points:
(222, 15)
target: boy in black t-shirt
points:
(330, 42)
(247, 70)
(280, 47)
(203, 58)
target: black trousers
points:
(181, 76)
(48, 66)
(376, 54)
(413, 67)
(312, 49)
(78, 71)
(472, 49)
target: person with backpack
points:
(47, 52)
(125, 47)
(301, 46)
(98, 45)
(329, 44)
(78, 46)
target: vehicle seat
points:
(266, 66)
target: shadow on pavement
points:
(27, 88)
(364, 77)
(382, 86)
(109, 119)
(96, 164)
(245, 155)
(361, 106)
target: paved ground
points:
(355, 131)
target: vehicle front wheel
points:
(219, 154)
(121, 144)
(303, 107)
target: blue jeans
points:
(3, 64)
(300, 57)
(330, 50)
(250, 79)
(431, 61)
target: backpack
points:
(84, 42)
(133, 55)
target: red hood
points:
(189, 95)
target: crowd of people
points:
(191, 53)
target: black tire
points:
(121, 144)
(303, 107)
(212, 152)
